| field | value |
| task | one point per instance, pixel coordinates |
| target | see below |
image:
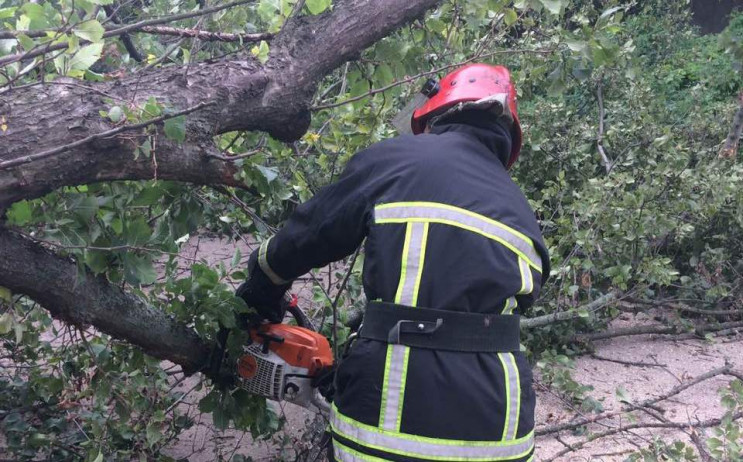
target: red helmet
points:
(473, 82)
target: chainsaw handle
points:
(290, 303)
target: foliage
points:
(665, 221)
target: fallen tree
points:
(54, 136)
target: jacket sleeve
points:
(324, 229)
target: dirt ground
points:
(660, 365)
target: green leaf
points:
(175, 128)
(510, 17)
(236, 258)
(268, 173)
(554, 6)
(99, 457)
(19, 213)
(6, 323)
(86, 57)
(85, 208)
(317, 6)
(138, 269)
(6, 13)
(6, 294)
(90, 30)
(152, 108)
(154, 434)
(209, 402)
(102, 2)
(26, 42)
(115, 114)
(260, 51)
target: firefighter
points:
(453, 254)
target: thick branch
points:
(52, 281)
(242, 95)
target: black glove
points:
(261, 294)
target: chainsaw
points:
(283, 362)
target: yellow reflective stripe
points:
(527, 279)
(513, 395)
(432, 212)
(511, 305)
(393, 389)
(343, 453)
(421, 261)
(428, 448)
(263, 263)
(404, 263)
(385, 386)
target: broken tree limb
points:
(62, 120)
(594, 306)
(53, 281)
(699, 331)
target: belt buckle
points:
(409, 326)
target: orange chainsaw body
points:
(282, 361)
(300, 347)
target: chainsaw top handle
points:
(290, 303)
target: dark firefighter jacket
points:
(445, 228)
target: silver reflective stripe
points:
(393, 390)
(414, 252)
(511, 305)
(428, 448)
(513, 395)
(263, 263)
(403, 212)
(527, 279)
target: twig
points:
(125, 38)
(397, 83)
(124, 29)
(206, 36)
(337, 298)
(614, 431)
(627, 363)
(600, 137)
(674, 391)
(44, 154)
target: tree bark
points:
(238, 94)
(53, 139)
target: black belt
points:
(440, 329)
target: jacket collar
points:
(481, 126)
